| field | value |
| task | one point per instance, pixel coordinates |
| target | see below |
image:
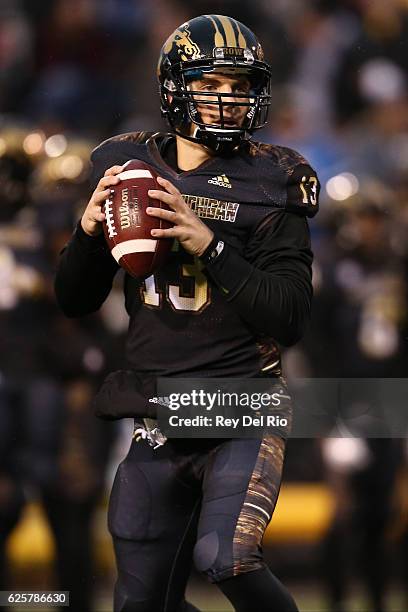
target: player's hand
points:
(93, 216)
(188, 228)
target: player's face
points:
(219, 83)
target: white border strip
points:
(140, 245)
(131, 174)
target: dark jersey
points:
(227, 318)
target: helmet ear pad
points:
(175, 111)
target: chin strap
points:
(222, 142)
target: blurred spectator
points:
(361, 475)
(323, 33)
(375, 67)
(359, 321)
(16, 48)
(51, 446)
(84, 52)
(11, 486)
(358, 330)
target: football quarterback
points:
(236, 285)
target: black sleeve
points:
(84, 274)
(86, 268)
(269, 285)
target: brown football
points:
(127, 225)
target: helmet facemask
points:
(236, 114)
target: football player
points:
(237, 284)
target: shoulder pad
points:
(115, 150)
(283, 157)
(302, 183)
(302, 190)
(134, 137)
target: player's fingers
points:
(175, 202)
(101, 196)
(98, 215)
(168, 186)
(172, 232)
(108, 180)
(113, 170)
(162, 213)
(95, 213)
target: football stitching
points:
(110, 222)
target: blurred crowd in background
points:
(74, 72)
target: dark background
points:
(74, 72)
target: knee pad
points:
(216, 559)
(206, 552)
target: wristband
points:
(213, 251)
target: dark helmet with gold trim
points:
(212, 44)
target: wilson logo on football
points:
(221, 181)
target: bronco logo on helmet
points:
(187, 49)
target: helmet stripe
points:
(229, 31)
(218, 38)
(241, 39)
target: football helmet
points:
(213, 44)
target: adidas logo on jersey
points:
(221, 181)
